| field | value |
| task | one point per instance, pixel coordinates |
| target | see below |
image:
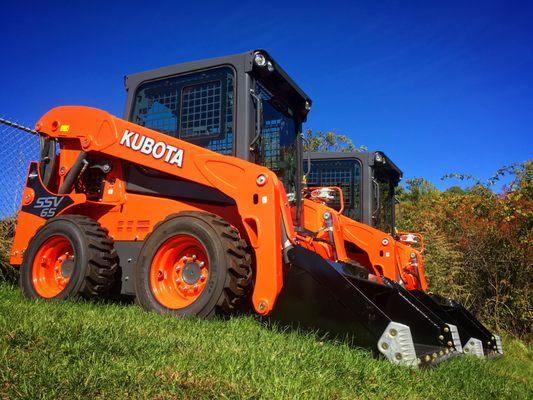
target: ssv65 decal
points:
(48, 205)
(45, 205)
(147, 145)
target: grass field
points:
(53, 350)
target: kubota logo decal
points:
(147, 145)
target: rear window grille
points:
(345, 174)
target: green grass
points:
(54, 350)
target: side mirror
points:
(413, 239)
(330, 195)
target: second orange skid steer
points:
(367, 182)
(194, 205)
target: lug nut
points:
(441, 337)
(398, 356)
(393, 332)
(446, 329)
(450, 344)
(384, 345)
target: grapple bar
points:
(323, 295)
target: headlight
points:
(270, 67)
(379, 157)
(260, 59)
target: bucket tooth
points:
(396, 343)
(499, 346)
(456, 339)
(474, 347)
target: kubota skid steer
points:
(184, 206)
(367, 182)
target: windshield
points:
(383, 204)
(277, 145)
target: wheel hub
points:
(179, 271)
(191, 273)
(65, 265)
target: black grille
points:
(345, 174)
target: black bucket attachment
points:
(327, 297)
(476, 339)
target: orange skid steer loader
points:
(366, 182)
(194, 205)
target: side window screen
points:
(201, 110)
(195, 107)
(345, 174)
(278, 139)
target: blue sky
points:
(439, 86)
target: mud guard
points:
(325, 296)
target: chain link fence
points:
(17, 150)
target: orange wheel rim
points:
(53, 266)
(179, 271)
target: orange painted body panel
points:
(25, 228)
(260, 208)
(379, 252)
(414, 279)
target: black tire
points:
(230, 268)
(95, 264)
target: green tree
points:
(329, 141)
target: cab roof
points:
(243, 62)
(366, 157)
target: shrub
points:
(7, 272)
(479, 245)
